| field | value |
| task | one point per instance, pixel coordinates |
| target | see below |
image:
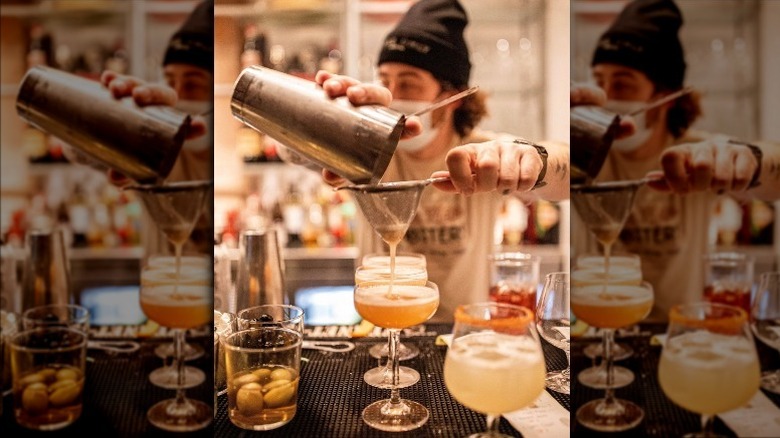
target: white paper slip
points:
(759, 418)
(546, 418)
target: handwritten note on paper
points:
(759, 418)
(546, 418)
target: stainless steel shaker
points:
(47, 274)
(592, 132)
(260, 270)
(141, 142)
(355, 142)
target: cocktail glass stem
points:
(608, 338)
(706, 425)
(394, 337)
(181, 407)
(492, 425)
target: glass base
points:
(406, 415)
(405, 352)
(770, 381)
(186, 417)
(610, 417)
(619, 351)
(168, 377)
(191, 351)
(558, 381)
(596, 377)
(382, 377)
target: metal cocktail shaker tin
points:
(141, 142)
(260, 271)
(592, 132)
(47, 274)
(355, 142)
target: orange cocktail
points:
(396, 306)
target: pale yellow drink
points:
(405, 306)
(709, 373)
(613, 306)
(598, 275)
(494, 373)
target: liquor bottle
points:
(250, 142)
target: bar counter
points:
(332, 393)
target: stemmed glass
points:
(395, 307)
(179, 306)
(381, 376)
(179, 297)
(611, 307)
(706, 345)
(495, 363)
(624, 270)
(765, 322)
(553, 321)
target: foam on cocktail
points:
(626, 275)
(167, 275)
(379, 261)
(694, 366)
(611, 296)
(403, 275)
(598, 261)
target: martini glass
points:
(604, 208)
(175, 208)
(396, 307)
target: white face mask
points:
(417, 142)
(202, 109)
(641, 133)
(193, 107)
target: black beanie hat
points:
(430, 37)
(193, 43)
(645, 37)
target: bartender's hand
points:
(144, 94)
(493, 165)
(587, 94)
(713, 164)
(359, 93)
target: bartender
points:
(637, 60)
(188, 69)
(425, 59)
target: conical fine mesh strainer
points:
(390, 207)
(604, 207)
(174, 207)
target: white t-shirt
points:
(454, 232)
(668, 231)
